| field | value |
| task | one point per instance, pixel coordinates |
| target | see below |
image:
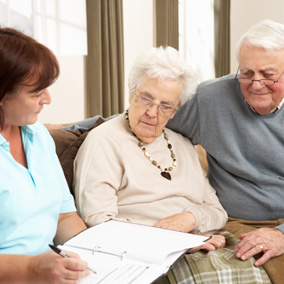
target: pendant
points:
(166, 175)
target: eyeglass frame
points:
(151, 103)
(261, 81)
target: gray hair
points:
(163, 63)
(266, 34)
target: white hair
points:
(266, 34)
(163, 63)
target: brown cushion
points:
(67, 145)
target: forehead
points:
(163, 90)
(258, 59)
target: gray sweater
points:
(245, 151)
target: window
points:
(58, 24)
(196, 35)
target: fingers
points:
(214, 243)
(268, 241)
(183, 222)
(205, 246)
(248, 250)
(266, 256)
(74, 269)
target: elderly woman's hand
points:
(214, 243)
(182, 222)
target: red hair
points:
(24, 62)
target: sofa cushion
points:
(67, 145)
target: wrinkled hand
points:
(214, 243)
(272, 241)
(52, 268)
(182, 222)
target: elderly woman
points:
(132, 168)
(36, 205)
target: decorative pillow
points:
(67, 145)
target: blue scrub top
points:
(31, 199)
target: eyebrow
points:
(151, 97)
(261, 70)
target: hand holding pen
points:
(64, 254)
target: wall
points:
(67, 93)
(246, 13)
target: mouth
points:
(148, 124)
(259, 95)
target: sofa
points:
(68, 143)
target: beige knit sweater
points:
(114, 180)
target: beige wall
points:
(67, 93)
(246, 13)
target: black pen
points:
(64, 254)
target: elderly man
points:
(239, 119)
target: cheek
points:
(245, 90)
(278, 92)
(134, 115)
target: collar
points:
(276, 109)
(27, 130)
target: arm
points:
(69, 224)
(44, 268)
(210, 215)
(47, 267)
(98, 173)
(198, 218)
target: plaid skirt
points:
(220, 266)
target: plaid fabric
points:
(220, 266)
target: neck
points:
(10, 131)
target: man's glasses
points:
(263, 82)
(164, 108)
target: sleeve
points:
(68, 204)
(98, 171)
(186, 120)
(280, 228)
(210, 216)
(207, 209)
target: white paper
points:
(122, 252)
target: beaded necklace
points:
(165, 172)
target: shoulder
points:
(221, 85)
(113, 131)
(218, 91)
(224, 80)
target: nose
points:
(256, 84)
(152, 110)
(46, 98)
